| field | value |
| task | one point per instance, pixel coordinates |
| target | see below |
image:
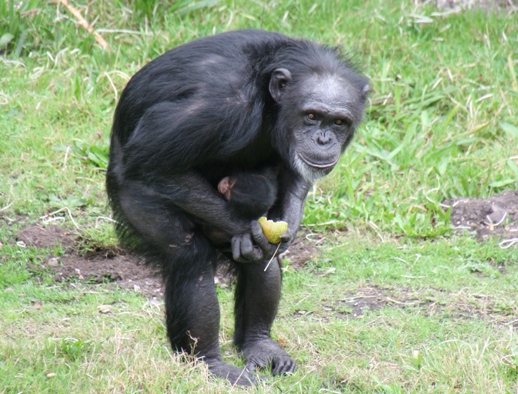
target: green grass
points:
(439, 310)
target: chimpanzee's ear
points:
(279, 80)
(365, 91)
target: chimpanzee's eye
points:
(343, 122)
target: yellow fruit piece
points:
(273, 230)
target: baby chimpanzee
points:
(249, 195)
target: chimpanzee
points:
(240, 101)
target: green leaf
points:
(510, 129)
(6, 39)
(502, 183)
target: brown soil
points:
(114, 266)
(497, 215)
(103, 266)
(366, 299)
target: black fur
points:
(251, 195)
(238, 102)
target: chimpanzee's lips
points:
(318, 165)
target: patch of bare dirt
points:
(126, 271)
(43, 237)
(104, 266)
(300, 252)
(113, 266)
(372, 298)
(497, 215)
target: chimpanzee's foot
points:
(265, 352)
(235, 375)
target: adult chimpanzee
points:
(239, 101)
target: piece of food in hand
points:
(273, 230)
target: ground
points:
(495, 216)
(100, 266)
(112, 265)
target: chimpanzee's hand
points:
(254, 247)
(287, 238)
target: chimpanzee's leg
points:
(192, 310)
(257, 298)
(187, 260)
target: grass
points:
(422, 310)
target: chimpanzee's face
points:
(323, 111)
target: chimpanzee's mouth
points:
(320, 166)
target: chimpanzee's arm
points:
(192, 193)
(293, 190)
